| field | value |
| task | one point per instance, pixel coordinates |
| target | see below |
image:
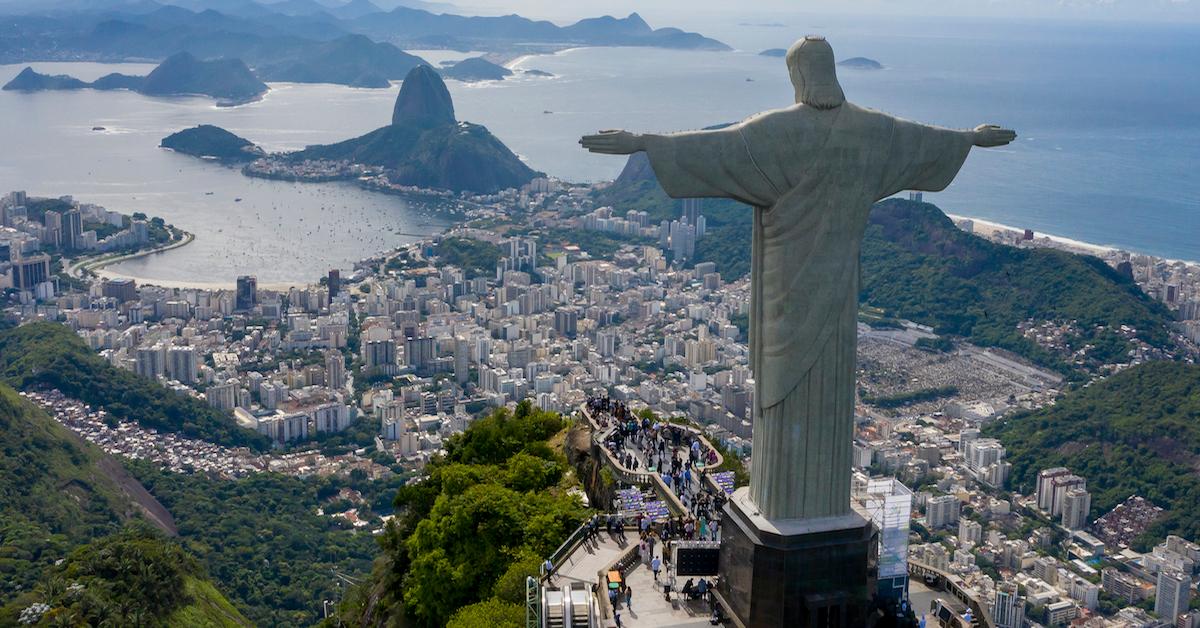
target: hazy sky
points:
(679, 11)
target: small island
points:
(476, 69)
(211, 142)
(853, 63)
(860, 63)
(228, 81)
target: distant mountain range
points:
(229, 81)
(355, 43)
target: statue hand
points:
(613, 143)
(990, 135)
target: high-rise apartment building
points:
(181, 364)
(1077, 504)
(942, 511)
(335, 370)
(1008, 608)
(1172, 595)
(247, 293)
(72, 229)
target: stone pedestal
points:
(800, 573)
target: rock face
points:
(30, 81)
(425, 146)
(637, 169)
(424, 100)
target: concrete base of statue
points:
(802, 573)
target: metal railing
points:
(628, 476)
(979, 610)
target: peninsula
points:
(476, 69)
(228, 81)
(423, 147)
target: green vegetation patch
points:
(1137, 432)
(261, 539)
(52, 494)
(477, 258)
(470, 533)
(909, 398)
(133, 578)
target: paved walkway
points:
(650, 609)
(590, 557)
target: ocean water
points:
(1108, 117)
(1108, 114)
(282, 232)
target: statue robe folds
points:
(811, 176)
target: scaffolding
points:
(889, 504)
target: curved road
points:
(81, 267)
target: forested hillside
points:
(1137, 432)
(472, 531)
(72, 544)
(134, 578)
(262, 540)
(53, 494)
(918, 266)
(51, 355)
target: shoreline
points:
(96, 265)
(1099, 250)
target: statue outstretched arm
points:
(991, 135)
(614, 142)
(711, 163)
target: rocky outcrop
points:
(424, 100)
(426, 147)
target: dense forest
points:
(53, 494)
(262, 540)
(918, 266)
(468, 535)
(52, 356)
(1137, 432)
(133, 578)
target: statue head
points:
(814, 75)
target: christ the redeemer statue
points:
(811, 172)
